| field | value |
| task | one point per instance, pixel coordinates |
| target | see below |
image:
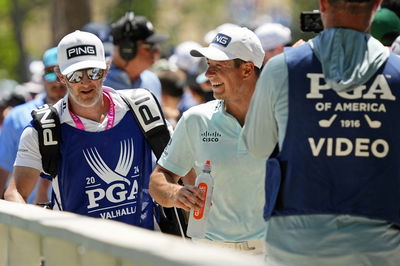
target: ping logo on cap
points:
(81, 50)
(222, 39)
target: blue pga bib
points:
(106, 174)
(341, 151)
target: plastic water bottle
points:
(198, 218)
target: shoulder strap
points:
(148, 114)
(47, 124)
(145, 109)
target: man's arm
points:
(9, 139)
(22, 183)
(165, 190)
(3, 181)
(268, 109)
(42, 194)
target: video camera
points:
(310, 21)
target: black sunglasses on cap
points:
(92, 74)
(151, 46)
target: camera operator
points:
(331, 105)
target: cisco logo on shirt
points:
(210, 136)
(222, 39)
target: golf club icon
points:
(372, 123)
(327, 122)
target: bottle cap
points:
(207, 166)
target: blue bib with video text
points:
(341, 151)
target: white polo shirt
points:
(207, 132)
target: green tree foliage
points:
(14, 14)
(190, 19)
(8, 51)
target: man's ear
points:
(107, 68)
(60, 76)
(322, 5)
(247, 69)
(108, 63)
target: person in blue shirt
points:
(331, 105)
(135, 51)
(20, 116)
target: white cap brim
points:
(212, 53)
(83, 65)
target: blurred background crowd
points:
(28, 28)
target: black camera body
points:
(310, 21)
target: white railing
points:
(30, 235)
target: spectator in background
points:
(135, 51)
(183, 61)
(19, 118)
(274, 37)
(8, 103)
(30, 90)
(393, 5)
(196, 91)
(396, 46)
(205, 84)
(188, 66)
(172, 84)
(7, 87)
(385, 26)
(103, 32)
(34, 86)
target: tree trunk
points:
(68, 16)
(17, 16)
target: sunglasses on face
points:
(50, 75)
(91, 73)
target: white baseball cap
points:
(233, 43)
(273, 35)
(211, 34)
(80, 50)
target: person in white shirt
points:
(211, 131)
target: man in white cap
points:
(104, 160)
(211, 131)
(273, 37)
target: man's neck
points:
(130, 67)
(133, 71)
(345, 18)
(239, 106)
(50, 100)
(96, 113)
(237, 110)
